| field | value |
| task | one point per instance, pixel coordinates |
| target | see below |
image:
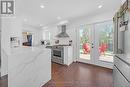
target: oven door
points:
(57, 56)
(57, 53)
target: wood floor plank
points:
(80, 75)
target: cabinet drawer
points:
(123, 67)
(119, 80)
(57, 60)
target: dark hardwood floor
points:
(4, 81)
(80, 75)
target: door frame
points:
(93, 58)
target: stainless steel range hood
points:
(63, 33)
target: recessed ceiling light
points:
(41, 25)
(25, 20)
(59, 18)
(100, 6)
(42, 6)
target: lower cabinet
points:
(119, 79)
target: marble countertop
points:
(25, 49)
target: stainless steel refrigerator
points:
(121, 72)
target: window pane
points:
(85, 37)
(106, 41)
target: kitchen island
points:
(29, 67)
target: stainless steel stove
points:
(58, 54)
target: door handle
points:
(92, 45)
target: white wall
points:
(11, 27)
(5, 43)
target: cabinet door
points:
(119, 80)
(123, 67)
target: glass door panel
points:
(105, 41)
(85, 42)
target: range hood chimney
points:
(63, 33)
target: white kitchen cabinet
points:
(68, 55)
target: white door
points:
(96, 44)
(85, 42)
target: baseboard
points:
(93, 65)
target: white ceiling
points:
(66, 9)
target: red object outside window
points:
(86, 48)
(103, 47)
